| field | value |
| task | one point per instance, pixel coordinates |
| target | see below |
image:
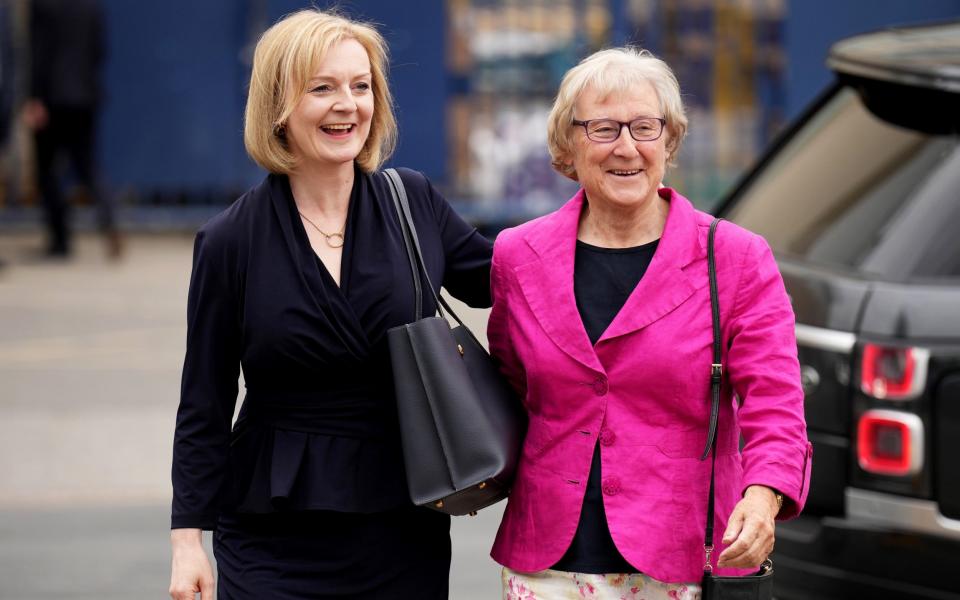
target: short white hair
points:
(612, 71)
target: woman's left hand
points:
(750, 529)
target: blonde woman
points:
(297, 283)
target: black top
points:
(68, 46)
(603, 279)
(318, 426)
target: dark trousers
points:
(70, 135)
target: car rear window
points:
(856, 192)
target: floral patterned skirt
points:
(561, 585)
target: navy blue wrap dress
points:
(306, 492)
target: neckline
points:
(631, 250)
(348, 231)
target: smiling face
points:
(330, 124)
(623, 173)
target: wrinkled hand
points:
(191, 572)
(750, 529)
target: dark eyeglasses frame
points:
(622, 124)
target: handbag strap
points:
(412, 244)
(396, 192)
(716, 377)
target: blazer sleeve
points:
(467, 254)
(498, 329)
(208, 392)
(765, 374)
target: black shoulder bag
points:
(758, 586)
(461, 425)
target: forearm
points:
(186, 537)
(771, 497)
(200, 467)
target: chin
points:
(632, 195)
(341, 157)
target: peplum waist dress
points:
(306, 491)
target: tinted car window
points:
(853, 191)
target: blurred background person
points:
(7, 65)
(7, 88)
(602, 322)
(68, 45)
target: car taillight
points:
(892, 373)
(890, 442)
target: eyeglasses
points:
(604, 131)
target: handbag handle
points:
(716, 377)
(412, 244)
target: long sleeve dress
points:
(306, 492)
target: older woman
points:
(297, 283)
(601, 320)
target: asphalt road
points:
(90, 355)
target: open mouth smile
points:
(624, 172)
(338, 129)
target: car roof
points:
(925, 55)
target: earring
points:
(279, 131)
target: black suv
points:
(860, 201)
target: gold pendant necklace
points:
(336, 237)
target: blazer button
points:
(600, 386)
(610, 486)
(607, 437)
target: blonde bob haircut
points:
(613, 71)
(287, 57)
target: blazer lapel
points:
(547, 283)
(665, 285)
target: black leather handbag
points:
(461, 425)
(759, 585)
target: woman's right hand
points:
(191, 572)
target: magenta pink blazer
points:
(643, 392)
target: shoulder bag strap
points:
(412, 243)
(716, 376)
(397, 191)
